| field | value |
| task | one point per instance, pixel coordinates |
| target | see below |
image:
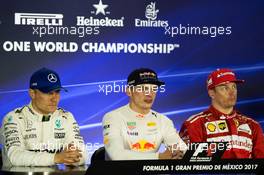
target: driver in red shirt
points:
(222, 123)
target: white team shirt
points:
(129, 135)
(28, 141)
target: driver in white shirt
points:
(40, 133)
(135, 131)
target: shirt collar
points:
(136, 114)
(218, 114)
(36, 113)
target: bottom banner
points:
(238, 166)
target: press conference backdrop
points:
(95, 44)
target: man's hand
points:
(166, 154)
(68, 156)
(172, 152)
(178, 154)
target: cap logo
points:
(209, 82)
(149, 74)
(131, 82)
(52, 78)
(34, 84)
(225, 73)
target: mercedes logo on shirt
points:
(52, 78)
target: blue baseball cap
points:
(45, 80)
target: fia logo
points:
(151, 12)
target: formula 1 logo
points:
(205, 151)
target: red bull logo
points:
(149, 146)
(136, 146)
(143, 145)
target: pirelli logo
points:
(38, 19)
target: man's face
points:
(45, 103)
(142, 96)
(224, 95)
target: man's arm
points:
(192, 131)
(258, 142)
(74, 138)
(171, 138)
(114, 141)
(14, 148)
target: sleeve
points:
(191, 132)
(14, 151)
(114, 141)
(170, 135)
(258, 142)
(73, 135)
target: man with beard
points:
(222, 123)
(134, 131)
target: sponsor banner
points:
(89, 47)
(245, 166)
(234, 141)
(38, 19)
(151, 20)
